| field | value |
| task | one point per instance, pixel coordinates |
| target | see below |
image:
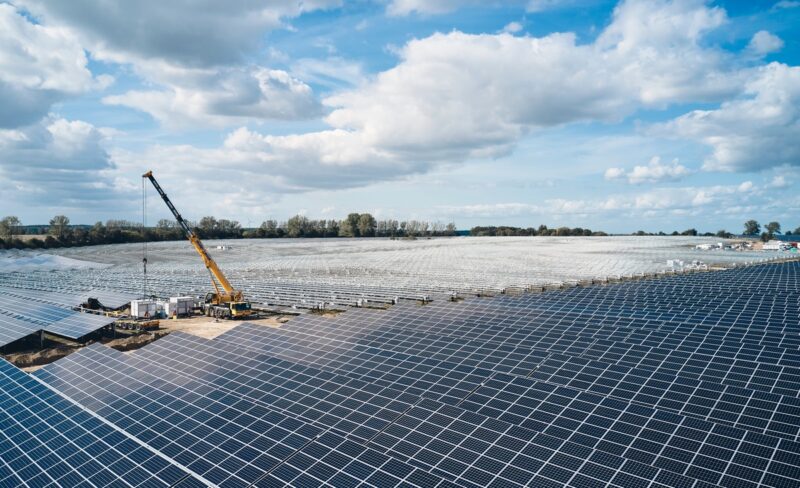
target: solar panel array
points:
(684, 381)
(25, 312)
(47, 440)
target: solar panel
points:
(455, 472)
(12, 329)
(222, 437)
(16, 310)
(756, 411)
(46, 440)
(333, 460)
(32, 311)
(771, 378)
(78, 325)
(458, 352)
(697, 448)
(475, 450)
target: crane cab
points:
(226, 309)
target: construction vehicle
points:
(225, 302)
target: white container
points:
(179, 306)
(144, 309)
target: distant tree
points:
(10, 227)
(752, 228)
(689, 232)
(208, 226)
(331, 228)
(268, 228)
(773, 228)
(366, 225)
(450, 230)
(724, 234)
(349, 226)
(297, 226)
(58, 226)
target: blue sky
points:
(640, 114)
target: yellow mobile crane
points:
(223, 303)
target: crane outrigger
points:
(225, 301)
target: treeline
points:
(752, 229)
(542, 230)
(59, 232)
(355, 225)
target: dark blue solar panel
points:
(46, 440)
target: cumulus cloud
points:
(406, 7)
(614, 174)
(764, 43)
(512, 27)
(457, 96)
(183, 32)
(756, 131)
(435, 7)
(39, 66)
(654, 172)
(224, 96)
(56, 162)
(198, 63)
(778, 182)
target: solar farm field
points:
(682, 380)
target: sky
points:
(620, 116)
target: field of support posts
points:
(315, 273)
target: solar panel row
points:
(21, 316)
(46, 440)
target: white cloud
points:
(779, 182)
(426, 7)
(56, 163)
(754, 132)
(512, 27)
(654, 172)
(764, 43)
(436, 7)
(194, 54)
(456, 96)
(39, 66)
(222, 97)
(783, 4)
(534, 6)
(194, 33)
(614, 174)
